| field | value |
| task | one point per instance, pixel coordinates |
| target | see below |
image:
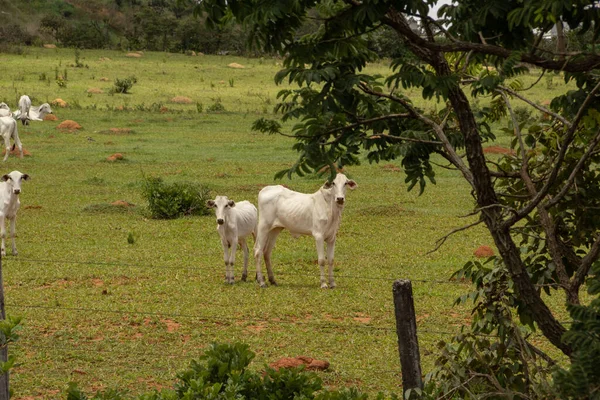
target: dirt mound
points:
(68, 125)
(50, 117)
(15, 152)
(134, 55)
(181, 100)
(104, 79)
(391, 168)
(483, 252)
(115, 157)
(49, 46)
(236, 65)
(122, 203)
(120, 131)
(59, 103)
(308, 362)
(163, 110)
(104, 59)
(497, 150)
(95, 90)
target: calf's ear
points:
(210, 204)
(327, 185)
(351, 184)
(25, 177)
(5, 178)
(231, 203)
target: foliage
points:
(168, 201)
(9, 328)
(223, 373)
(582, 379)
(123, 85)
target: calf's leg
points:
(13, 234)
(330, 255)
(244, 245)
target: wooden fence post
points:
(406, 329)
(4, 393)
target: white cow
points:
(4, 110)
(318, 214)
(8, 129)
(36, 113)
(24, 107)
(235, 221)
(10, 188)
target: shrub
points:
(223, 373)
(216, 107)
(123, 85)
(168, 201)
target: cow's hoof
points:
(263, 285)
(324, 286)
(244, 277)
(332, 286)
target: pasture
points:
(106, 313)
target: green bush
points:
(222, 373)
(168, 201)
(123, 85)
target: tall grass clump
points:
(174, 200)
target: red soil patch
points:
(172, 326)
(236, 65)
(104, 59)
(104, 79)
(308, 362)
(363, 318)
(50, 117)
(15, 152)
(122, 203)
(49, 46)
(139, 121)
(133, 55)
(59, 102)
(497, 150)
(483, 252)
(28, 207)
(97, 282)
(256, 328)
(115, 157)
(68, 125)
(391, 168)
(120, 131)
(181, 100)
(95, 90)
(109, 143)
(164, 109)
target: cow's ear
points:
(351, 184)
(5, 178)
(25, 177)
(328, 185)
(231, 203)
(210, 204)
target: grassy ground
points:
(106, 313)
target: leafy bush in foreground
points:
(222, 373)
(168, 201)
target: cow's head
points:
(222, 205)
(339, 186)
(4, 106)
(45, 109)
(14, 180)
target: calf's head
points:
(339, 186)
(14, 180)
(222, 206)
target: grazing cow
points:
(235, 221)
(8, 129)
(318, 214)
(4, 110)
(10, 188)
(36, 113)
(24, 107)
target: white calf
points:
(24, 106)
(10, 188)
(318, 214)
(8, 129)
(235, 221)
(35, 113)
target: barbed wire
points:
(212, 269)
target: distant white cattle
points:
(24, 107)
(235, 221)
(10, 188)
(4, 110)
(318, 214)
(8, 129)
(36, 113)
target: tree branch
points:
(536, 106)
(443, 239)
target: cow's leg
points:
(244, 245)
(330, 254)
(262, 235)
(13, 234)
(321, 258)
(6, 146)
(226, 257)
(18, 143)
(3, 235)
(232, 248)
(268, 250)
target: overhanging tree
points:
(539, 204)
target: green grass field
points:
(106, 313)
